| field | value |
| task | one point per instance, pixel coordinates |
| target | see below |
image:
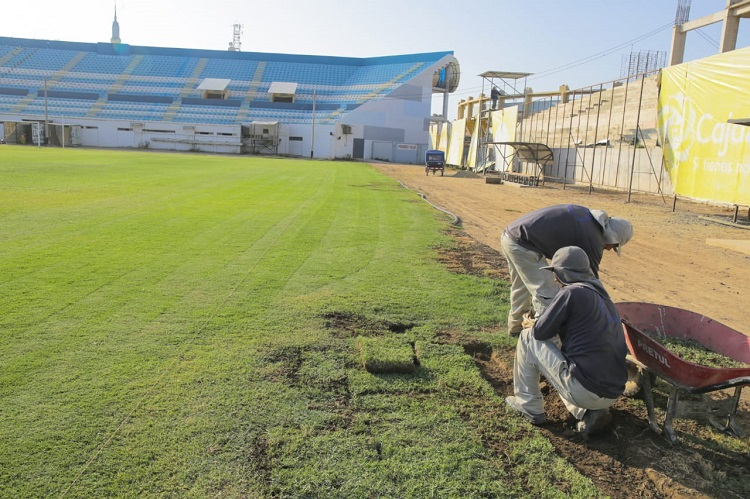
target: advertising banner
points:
(707, 157)
(455, 154)
(444, 137)
(503, 129)
(434, 132)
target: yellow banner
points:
(455, 154)
(707, 157)
(434, 136)
(503, 129)
(443, 141)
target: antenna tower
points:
(236, 43)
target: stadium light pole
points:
(312, 135)
(46, 116)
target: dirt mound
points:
(465, 174)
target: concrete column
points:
(445, 104)
(729, 32)
(564, 89)
(526, 106)
(677, 54)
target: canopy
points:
(530, 152)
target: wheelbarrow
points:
(687, 379)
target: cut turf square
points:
(387, 354)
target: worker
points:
(494, 95)
(531, 239)
(587, 366)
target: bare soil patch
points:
(668, 262)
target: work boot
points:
(593, 422)
(535, 419)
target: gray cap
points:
(616, 230)
(571, 264)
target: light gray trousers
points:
(530, 286)
(535, 358)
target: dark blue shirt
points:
(592, 338)
(548, 229)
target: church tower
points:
(115, 29)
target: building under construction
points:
(641, 132)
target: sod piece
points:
(692, 351)
(386, 354)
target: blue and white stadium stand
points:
(134, 96)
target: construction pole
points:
(596, 135)
(609, 125)
(622, 126)
(586, 140)
(478, 128)
(578, 133)
(554, 133)
(570, 135)
(635, 143)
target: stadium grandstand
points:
(118, 95)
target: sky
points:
(578, 43)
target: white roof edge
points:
(217, 84)
(282, 87)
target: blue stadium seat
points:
(98, 70)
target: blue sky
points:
(573, 42)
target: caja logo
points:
(677, 119)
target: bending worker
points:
(531, 239)
(589, 370)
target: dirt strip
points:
(669, 260)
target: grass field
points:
(187, 325)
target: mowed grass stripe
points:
(93, 317)
(183, 290)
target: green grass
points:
(169, 328)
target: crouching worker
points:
(588, 370)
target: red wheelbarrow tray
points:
(638, 317)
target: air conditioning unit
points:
(346, 129)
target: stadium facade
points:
(118, 95)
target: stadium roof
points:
(125, 49)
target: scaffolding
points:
(642, 62)
(504, 91)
